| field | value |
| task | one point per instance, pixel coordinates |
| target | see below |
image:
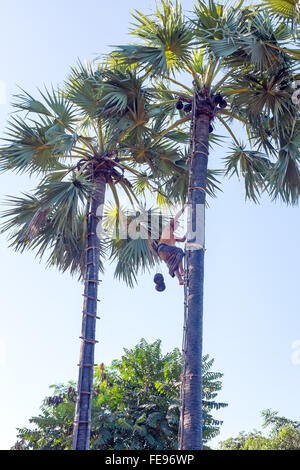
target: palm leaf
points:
(27, 148)
(288, 9)
(166, 36)
(83, 88)
(134, 253)
(252, 166)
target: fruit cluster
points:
(160, 282)
(187, 108)
(218, 98)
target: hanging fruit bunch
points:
(186, 105)
(220, 101)
(179, 104)
(160, 282)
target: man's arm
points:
(177, 216)
(183, 239)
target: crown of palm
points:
(242, 53)
(124, 112)
(101, 118)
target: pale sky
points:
(251, 319)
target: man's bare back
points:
(168, 251)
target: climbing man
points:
(168, 252)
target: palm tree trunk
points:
(191, 438)
(82, 421)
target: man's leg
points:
(178, 275)
(181, 270)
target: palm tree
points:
(81, 141)
(225, 64)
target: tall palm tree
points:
(97, 134)
(223, 64)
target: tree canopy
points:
(135, 405)
(284, 434)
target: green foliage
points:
(51, 222)
(133, 236)
(240, 52)
(135, 405)
(287, 9)
(167, 39)
(252, 166)
(284, 435)
(102, 121)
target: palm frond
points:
(288, 9)
(283, 177)
(212, 183)
(132, 246)
(51, 222)
(64, 198)
(82, 88)
(121, 91)
(27, 148)
(57, 106)
(252, 166)
(166, 36)
(218, 27)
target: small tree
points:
(135, 405)
(284, 435)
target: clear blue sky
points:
(252, 263)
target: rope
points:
(200, 151)
(91, 298)
(195, 246)
(190, 375)
(198, 187)
(204, 145)
(90, 315)
(91, 341)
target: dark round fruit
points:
(179, 105)
(188, 108)
(161, 287)
(223, 104)
(218, 98)
(211, 129)
(158, 278)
